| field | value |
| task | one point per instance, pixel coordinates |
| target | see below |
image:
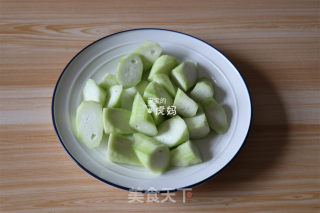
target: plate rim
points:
(126, 188)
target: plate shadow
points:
(267, 137)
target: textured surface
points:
(274, 44)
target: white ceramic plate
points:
(101, 57)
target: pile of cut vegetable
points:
(151, 108)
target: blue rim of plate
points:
(122, 187)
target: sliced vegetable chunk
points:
(165, 82)
(114, 96)
(127, 97)
(202, 90)
(173, 132)
(108, 81)
(152, 154)
(140, 119)
(129, 70)
(142, 86)
(157, 92)
(185, 75)
(89, 125)
(149, 52)
(198, 125)
(164, 64)
(116, 120)
(186, 154)
(186, 107)
(120, 150)
(92, 92)
(216, 115)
